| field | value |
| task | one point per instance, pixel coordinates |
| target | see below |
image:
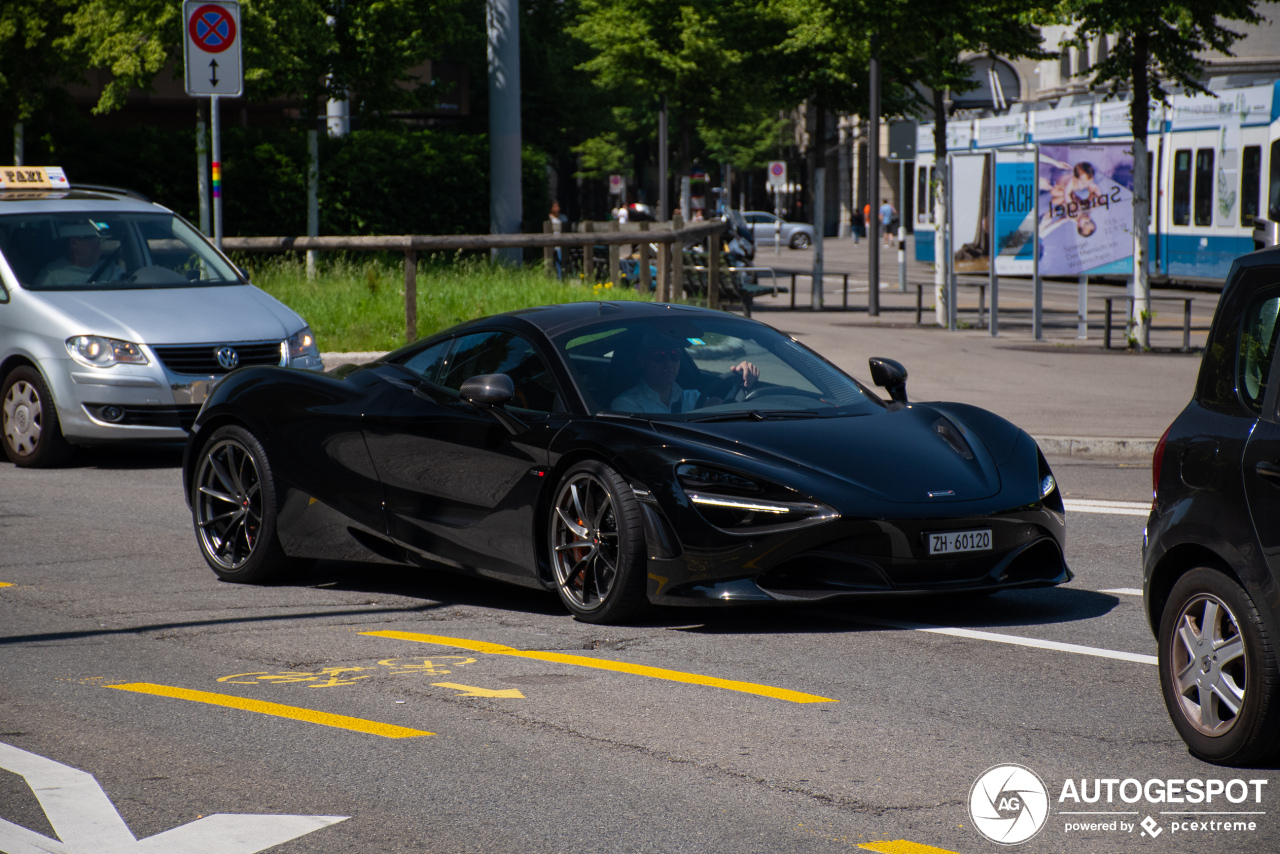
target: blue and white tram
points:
(1209, 158)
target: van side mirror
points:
(891, 376)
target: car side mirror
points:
(491, 392)
(891, 376)
(488, 390)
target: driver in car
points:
(83, 261)
(659, 358)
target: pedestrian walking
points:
(888, 219)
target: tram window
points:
(1273, 184)
(1250, 184)
(1182, 187)
(1204, 186)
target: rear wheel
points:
(234, 506)
(800, 240)
(1218, 670)
(597, 545)
(32, 434)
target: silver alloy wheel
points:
(584, 541)
(23, 418)
(228, 503)
(1208, 664)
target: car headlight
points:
(1047, 485)
(742, 505)
(98, 352)
(1050, 495)
(302, 345)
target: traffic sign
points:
(211, 48)
(777, 173)
(616, 184)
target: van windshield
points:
(99, 250)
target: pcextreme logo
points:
(1010, 804)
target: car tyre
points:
(597, 546)
(800, 240)
(1218, 670)
(234, 505)
(29, 421)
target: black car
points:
(1211, 549)
(622, 454)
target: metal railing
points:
(412, 244)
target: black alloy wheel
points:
(233, 508)
(597, 546)
(29, 421)
(1218, 670)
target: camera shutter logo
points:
(1009, 804)
(227, 357)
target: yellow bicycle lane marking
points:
(276, 709)
(902, 846)
(6, 583)
(606, 664)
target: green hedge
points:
(397, 181)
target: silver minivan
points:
(117, 317)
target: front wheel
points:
(1218, 670)
(32, 435)
(596, 539)
(234, 506)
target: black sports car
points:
(620, 454)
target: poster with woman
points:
(1085, 208)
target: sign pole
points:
(215, 120)
(1037, 311)
(993, 251)
(777, 226)
(902, 226)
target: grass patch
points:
(358, 304)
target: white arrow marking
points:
(88, 823)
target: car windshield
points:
(100, 250)
(706, 368)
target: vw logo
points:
(227, 357)
(1009, 804)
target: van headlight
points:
(302, 346)
(98, 352)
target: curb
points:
(1100, 446)
(1058, 446)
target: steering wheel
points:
(727, 387)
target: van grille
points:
(203, 358)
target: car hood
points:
(897, 456)
(176, 315)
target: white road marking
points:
(1116, 508)
(88, 823)
(1126, 591)
(994, 637)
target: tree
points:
(32, 70)
(926, 42)
(309, 49)
(1156, 42)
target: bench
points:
(732, 288)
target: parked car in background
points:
(117, 317)
(1211, 549)
(765, 228)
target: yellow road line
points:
(902, 846)
(281, 711)
(605, 664)
(6, 584)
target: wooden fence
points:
(643, 233)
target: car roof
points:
(75, 200)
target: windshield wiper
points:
(758, 415)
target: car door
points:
(457, 483)
(1257, 380)
(764, 228)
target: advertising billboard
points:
(1015, 212)
(1085, 208)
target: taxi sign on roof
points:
(33, 178)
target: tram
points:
(1208, 156)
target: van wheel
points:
(32, 435)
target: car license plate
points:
(960, 541)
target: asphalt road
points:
(812, 729)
